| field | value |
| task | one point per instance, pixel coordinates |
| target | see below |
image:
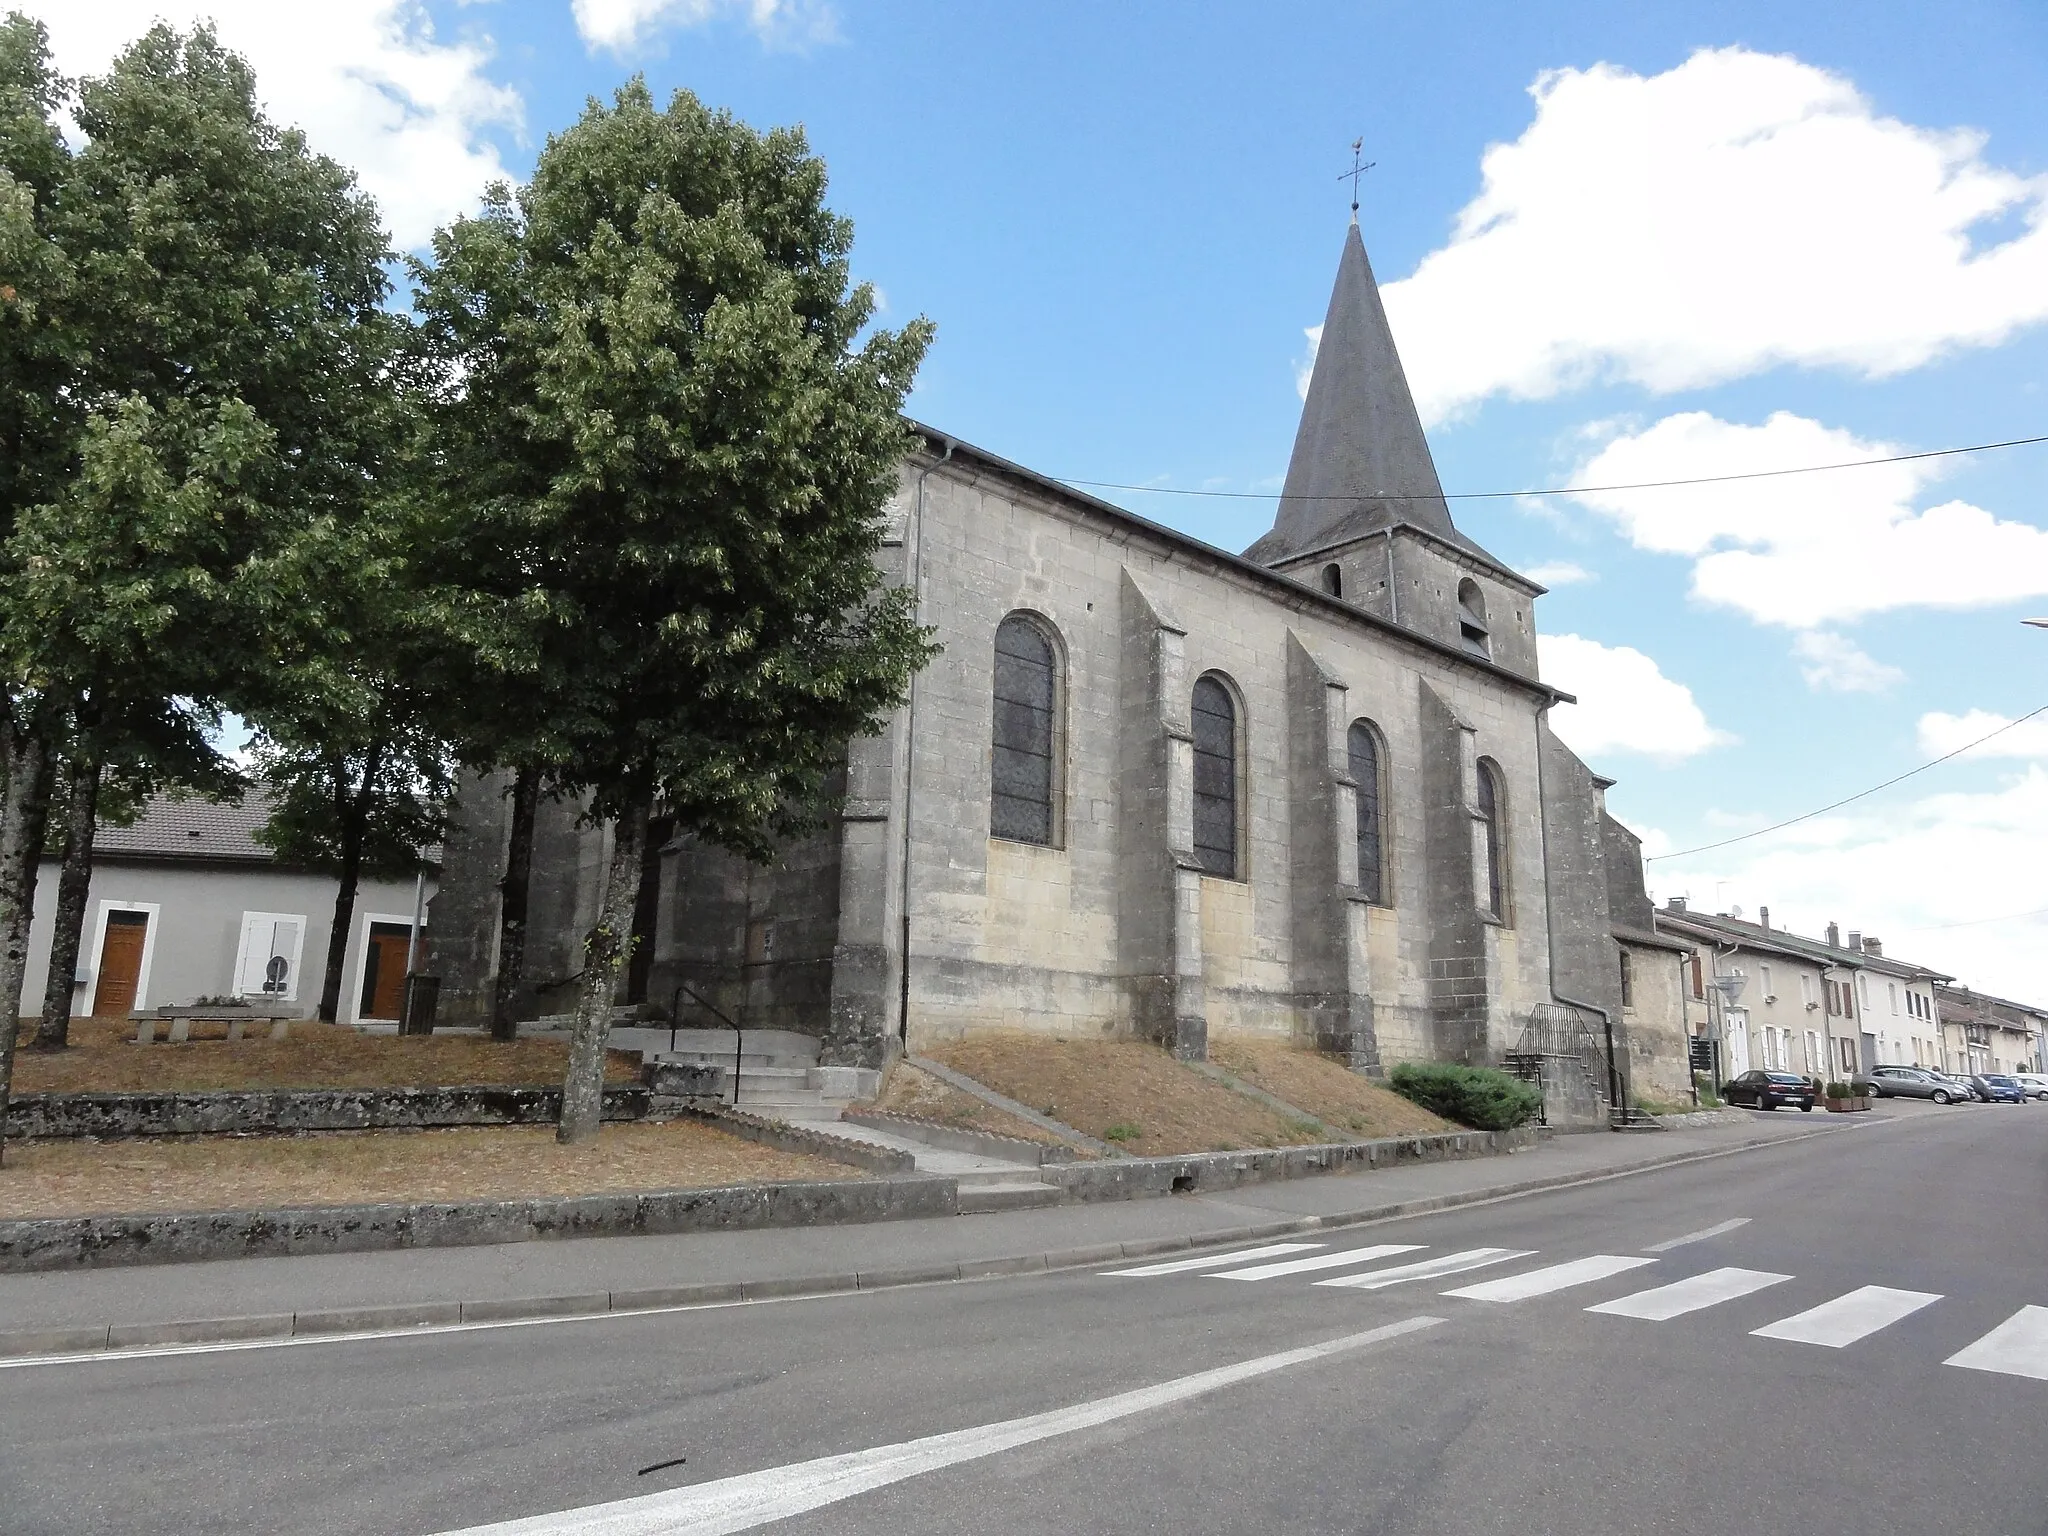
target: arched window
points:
(1493, 820)
(1024, 765)
(1472, 618)
(1366, 770)
(1215, 722)
(1333, 580)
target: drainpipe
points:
(1617, 1097)
(914, 568)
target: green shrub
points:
(1480, 1097)
(1122, 1132)
(1838, 1090)
(1709, 1091)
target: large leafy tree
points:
(191, 368)
(685, 454)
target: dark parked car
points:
(1914, 1083)
(1997, 1088)
(1767, 1090)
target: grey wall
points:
(196, 928)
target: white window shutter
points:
(268, 966)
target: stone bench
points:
(181, 1020)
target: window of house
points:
(1493, 834)
(1333, 580)
(1763, 976)
(1699, 980)
(1472, 618)
(1024, 761)
(1847, 1050)
(1628, 980)
(1367, 766)
(267, 963)
(1805, 989)
(1863, 991)
(1216, 769)
(1892, 991)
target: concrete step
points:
(979, 1199)
(749, 1060)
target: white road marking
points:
(1690, 1295)
(1696, 1237)
(1541, 1282)
(2016, 1347)
(1850, 1317)
(1429, 1269)
(1214, 1260)
(777, 1493)
(1319, 1261)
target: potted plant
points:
(1839, 1100)
(1860, 1092)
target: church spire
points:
(1360, 460)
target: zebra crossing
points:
(2016, 1347)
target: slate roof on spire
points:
(1361, 462)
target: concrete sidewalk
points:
(544, 1278)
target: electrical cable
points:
(1566, 490)
(1848, 799)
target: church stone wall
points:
(1084, 937)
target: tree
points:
(191, 358)
(695, 450)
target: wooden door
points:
(120, 969)
(384, 971)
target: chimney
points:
(1763, 917)
(1675, 904)
(1834, 936)
(1856, 941)
(1871, 946)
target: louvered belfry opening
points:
(1215, 722)
(1023, 766)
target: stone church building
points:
(1152, 789)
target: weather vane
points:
(1357, 170)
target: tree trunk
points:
(605, 953)
(352, 813)
(24, 809)
(512, 907)
(82, 775)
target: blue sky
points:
(1712, 238)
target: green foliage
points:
(671, 449)
(1481, 1097)
(1123, 1131)
(1837, 1090)
(1703, 1083)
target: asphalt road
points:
(1392, 1408)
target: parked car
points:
(1997, 1088)
(1914, 1083)
(1965, 1086)
(2032, 1083)
(1767, 1090)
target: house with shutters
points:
(1154, 789)
(185, 903)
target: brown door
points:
(120, 964)
(384, 971)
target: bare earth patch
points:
(103, 1058)
(218, 1173)
(919, 1095)
(1325, 1088)
(1153, 1104)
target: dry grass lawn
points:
(1325, 1088)
(219, 1173)
(1124, 1092)
(909, 1091)
(104, 1058)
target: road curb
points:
(31, 1345)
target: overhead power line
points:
(1978, 922)
(1567, 490)
(1860, 794)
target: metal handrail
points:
(738, 1034)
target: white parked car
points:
(2033, 1084)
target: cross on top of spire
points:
(1357, 170)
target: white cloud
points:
(1625, 703)
(1941, 734)
(1836, 663)
(1558, 573)
(1807, 550)
(622, 25)
(1306, 368)
(367, 80)
(1922, 877)
(1739, 212)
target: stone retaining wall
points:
(1139, 1177)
